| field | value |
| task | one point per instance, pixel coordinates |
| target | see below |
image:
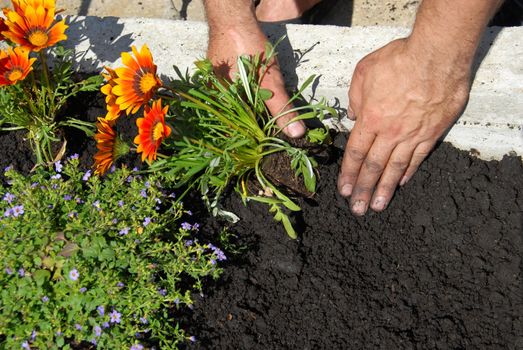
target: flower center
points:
(15, 74)
(158, 131)
(147, 82)
(38, 38)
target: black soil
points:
(441, 268)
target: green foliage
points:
(223, 131)
(34, 104)
(72, 244)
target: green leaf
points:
(265, 94)
(41, 276)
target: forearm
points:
(450, 30)
(229, 14)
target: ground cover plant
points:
(204, 132)
(32, 95)
(101, 262)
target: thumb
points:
(278, 104)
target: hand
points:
(403, 100)
(223, 52)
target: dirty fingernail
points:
(359, 207)
(404, 180)
(346, 190)
(379, 203)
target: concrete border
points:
(492, 123)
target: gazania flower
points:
(3, 28)
(137, 81)
(110, 146)
(113, 110)
(32, 24)
(14, 65)
(152, 130)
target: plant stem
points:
(45, 68)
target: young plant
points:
(31, 94)
(90, 261)
(218, 132)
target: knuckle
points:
(362, 191)
(399, 165)
(356, 154)
(373, 166)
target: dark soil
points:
(441, 268)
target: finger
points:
(278, 103)
(358, 145)
(420, 153)
(394, 171)
(370, 173)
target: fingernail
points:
(404, 180)
(346, 190)
(295, 130)
(350, 113)
(359, 207)
(379, 203)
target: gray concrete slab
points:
(491, 123)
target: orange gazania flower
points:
(32, 24)
(137, 81)
(113, 110)
(14, 65)
(152, 130)
(110, 146)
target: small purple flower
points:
(83, 290)
(120, 204)
(21, 272)
(78, 326)
(220, 255)
(8, 212)
(189, 242)
(67, 197)
(112, 169)
(8, 197)
(129, 179)
(25, 345)
(58, 166)
(33, 335)
(50, 206)
(188, 212)
(120, 285)
(34, 184)
(96, 204)
(143, 320)
(115, 221)
(213, 262)
(115, 317)
(162, 292)
(196, 227)
(8, 271)
(186, 226)
(93, 341)
(79, 200)
(158, 200)
(124, 231)
(72, 215)
(45, 299)
(7, 168)
(74, 156)
(177, 301)
(137, 347)
(97, 330)
(192, 338)
(54, 187)
(143, 193)
(74, 274)
(87, 175)
(146, 221)
(105, 325)
(147, 184)
(56, 177)
(101, 310)
(17, 211)
(135, 168)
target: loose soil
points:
(441, 268)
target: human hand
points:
(403, 99)
(223, 51)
